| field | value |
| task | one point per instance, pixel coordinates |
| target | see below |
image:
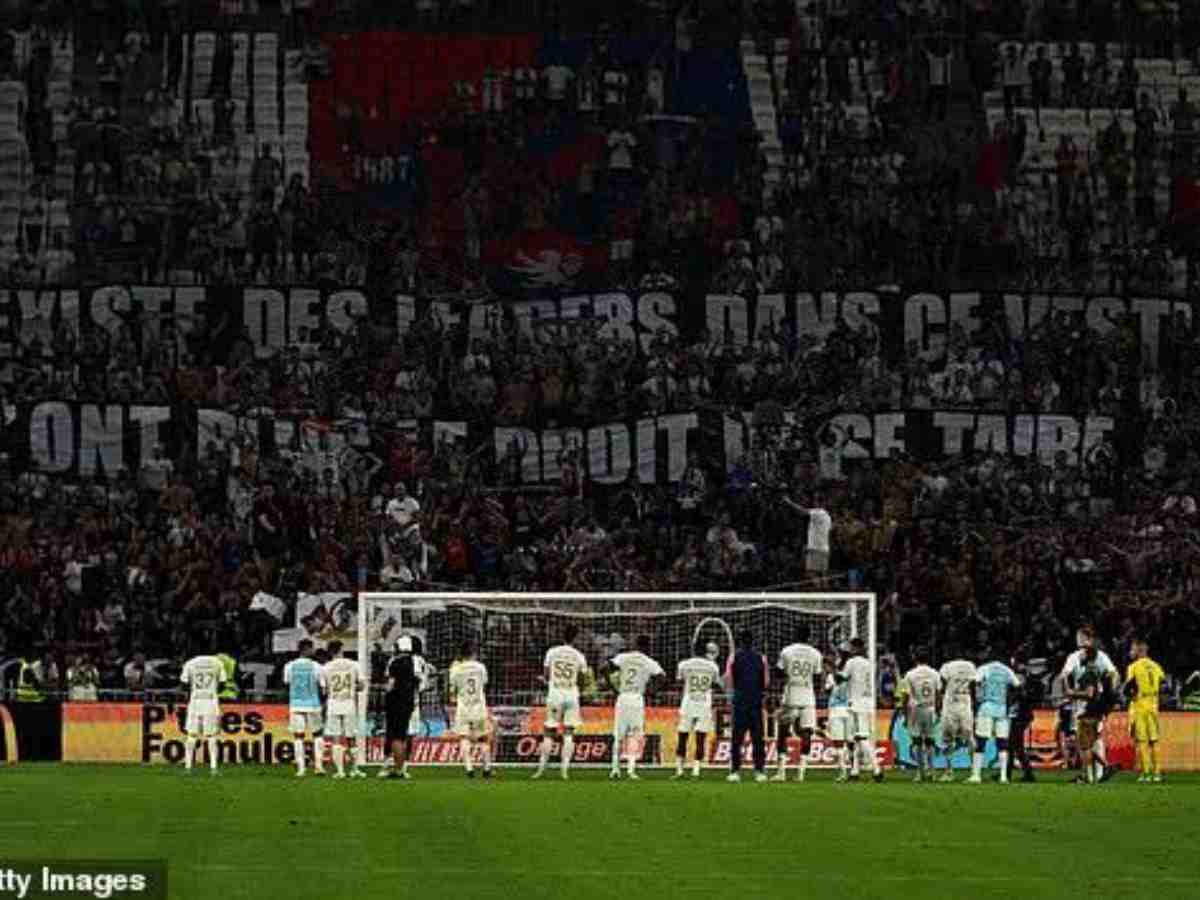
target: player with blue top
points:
(838, 723)
(305, 679)
(993, 680)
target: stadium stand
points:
(495, 154)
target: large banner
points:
(229, 324)
(258, 733)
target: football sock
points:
(803, 759)
(189, 752)
(568, 752)
(212, 753)
(544, 756)
(339, 758)
(1004, 765)
(298, 749)
(487, 757)
(464, 747)
(1153, 754)
(842, 758)
(318, 753)
(977, 765)
(680, 752)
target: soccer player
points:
(994, 680)
(957, 724)
(748, 676)
(699, 675)
(1028, 697)
(634, 671)
(306, 681)
(424, 672)
(468, 679)
(1090, 680)
(924, 688)
(801, 663)
(860, 677)
(1085, 640)
(403, 685)
(1143, 681)
(204, 675)
(838, 724)
(565, 669)
(345, 680)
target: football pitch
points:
(259, 832)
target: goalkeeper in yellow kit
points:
(1143, 680)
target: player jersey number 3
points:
(563, 674)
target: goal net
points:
(512, 633)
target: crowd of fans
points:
(986, 554)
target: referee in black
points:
(748, 676)
(398, 704)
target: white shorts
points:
(202, 719)
(921, 722)
(803, 717)
(957, 723)
(562, 710)
(629, 716)
(473, 727)
(696, 717)
(862, 723)
(302, 720)
(341, 725)
(992, 727)
(839, 725)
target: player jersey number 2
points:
(341, 686)
(563, 674)
(631, 678)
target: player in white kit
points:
(924, 689)
(306, 682)
(699, 675)
(344, 679)
(1085, 639)
(801, 663)
(859, 675)
(958, 719)
(204, 675)
(424, 671)
(633, 672)
(468, 681)
(565, 668)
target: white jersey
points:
(564, 664)
(958, 676)
(923, 686)
(468, 679)
(344, 679)
(634, 671)
(204, 675)
(860, 679)
(801, 663)
(699, 676)
(1075, 661)
(424, 672)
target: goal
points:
(513, 631)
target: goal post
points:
(513, 631)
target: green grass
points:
(261, 833)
